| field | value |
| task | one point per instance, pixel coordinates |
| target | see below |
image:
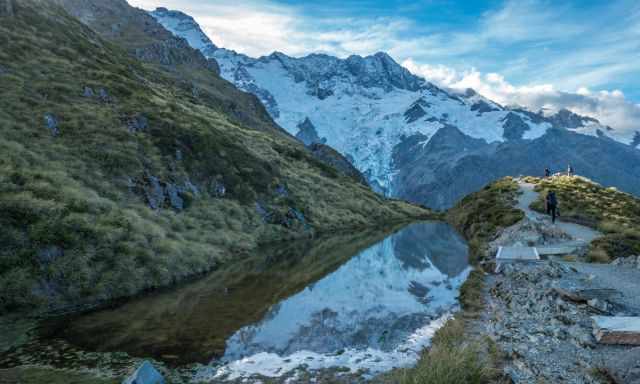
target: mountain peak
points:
(185, 26)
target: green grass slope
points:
(78, 171)
(480, 215)
(614, 213)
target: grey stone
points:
(281, 190)
(154, 192)
(173, 194)
(87, 92)
(145, 374)
(219, 189)
(137, 123)
(103, 95)
(52, 124)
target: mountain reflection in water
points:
(373, 310)
(327, 300)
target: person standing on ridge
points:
(552, 205)
(569, 170)
(547, 172)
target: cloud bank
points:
(610, 107)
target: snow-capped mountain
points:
(368, 108)
(184, 26)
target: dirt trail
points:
(579, 233)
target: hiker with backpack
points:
(552, 205)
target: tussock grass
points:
(615, 213)
(454, 357)
(480, 215)
(75, 224)
(449, 361)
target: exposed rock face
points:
(307, 133)
(184, 23)
(416, 111)
(514, 126)
(482, 106)
(436, 170)
(567, 119)
(332, 157)
(452, 164)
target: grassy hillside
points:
(615, 213)
(116, 177)
(480, 215)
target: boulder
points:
(51, 123)
(145, 374)
(87, 92)
(103, 95)
(137, 123)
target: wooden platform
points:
(616, 330)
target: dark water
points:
(351, 300)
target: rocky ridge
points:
(540, 313)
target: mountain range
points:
(409, 137)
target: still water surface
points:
(366, 301)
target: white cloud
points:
(610, 107)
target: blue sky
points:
(580, 54)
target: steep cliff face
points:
(366, 107)
(116, 177)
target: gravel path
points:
(545, 337)
(577, 232)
